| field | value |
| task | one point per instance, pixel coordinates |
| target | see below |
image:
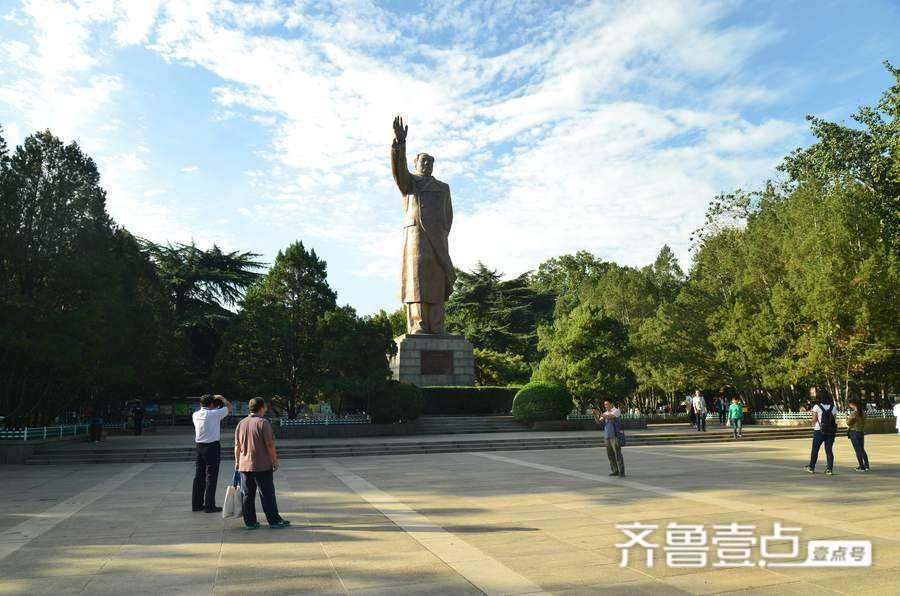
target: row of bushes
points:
(401, 402)
(468, 400)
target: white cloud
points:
(603, 126)
(587, 167)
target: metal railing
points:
(326, 420)
(767, 415)
(37, 433)
(44, 432)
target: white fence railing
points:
(715, 416)
(326, 420)
(44, 432)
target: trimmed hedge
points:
(542, 400)
(397, 402)
(468, 400)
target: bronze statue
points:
(427, 274)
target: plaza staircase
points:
(84, 454)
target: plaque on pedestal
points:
(434, 360)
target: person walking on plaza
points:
(856, 426)
(699, 404)
(208, 431)
(611, 419)
(735, 417)
(138, 415)
(256, 459)
(722, 409)
(96, 427)
(824, 429)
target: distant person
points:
(256, 459)
(96, 427)
(897, 414)
(824, 429)
(611, 419)
(699, 405)
(138, 415)
(722, 407)
(208, 431)
(856, 431)
(735, 418)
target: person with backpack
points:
(824, 429)
(856, 423)
(735, 417)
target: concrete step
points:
(405, 448)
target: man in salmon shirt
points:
(256, 459)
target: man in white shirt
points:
(699, 405)
(897, 414)
(208, 430)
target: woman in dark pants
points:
(856, 422)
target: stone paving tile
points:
(44, 585)
(722, 580)
(441, 588)
(326, 583)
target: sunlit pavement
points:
(457, 523)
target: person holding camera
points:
(611, 419)
(207, 433)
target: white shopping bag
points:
(229, 504)
(238, 501)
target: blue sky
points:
(605, 126)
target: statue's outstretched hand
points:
(399, 130)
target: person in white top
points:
(207, 432)
(824, 428)
(897, 414)
(699, 404)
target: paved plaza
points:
(455, 523)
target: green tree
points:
(868, 154)
(500, 368)
(203, 287)
(496, 314)
(277, 346)
(587, 352)
(354, 356)
(82, 317)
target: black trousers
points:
(206, 475)
(701, 421)
(266, 484)
(858, 440)
(138, 426)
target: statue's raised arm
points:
(398, 157)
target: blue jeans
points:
(818, 438)
(858, 440)
(249, 482)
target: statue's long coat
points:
(427, 273)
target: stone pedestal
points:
(441, 360)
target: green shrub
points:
(468, 400)
(542, 400)
(396, 402)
